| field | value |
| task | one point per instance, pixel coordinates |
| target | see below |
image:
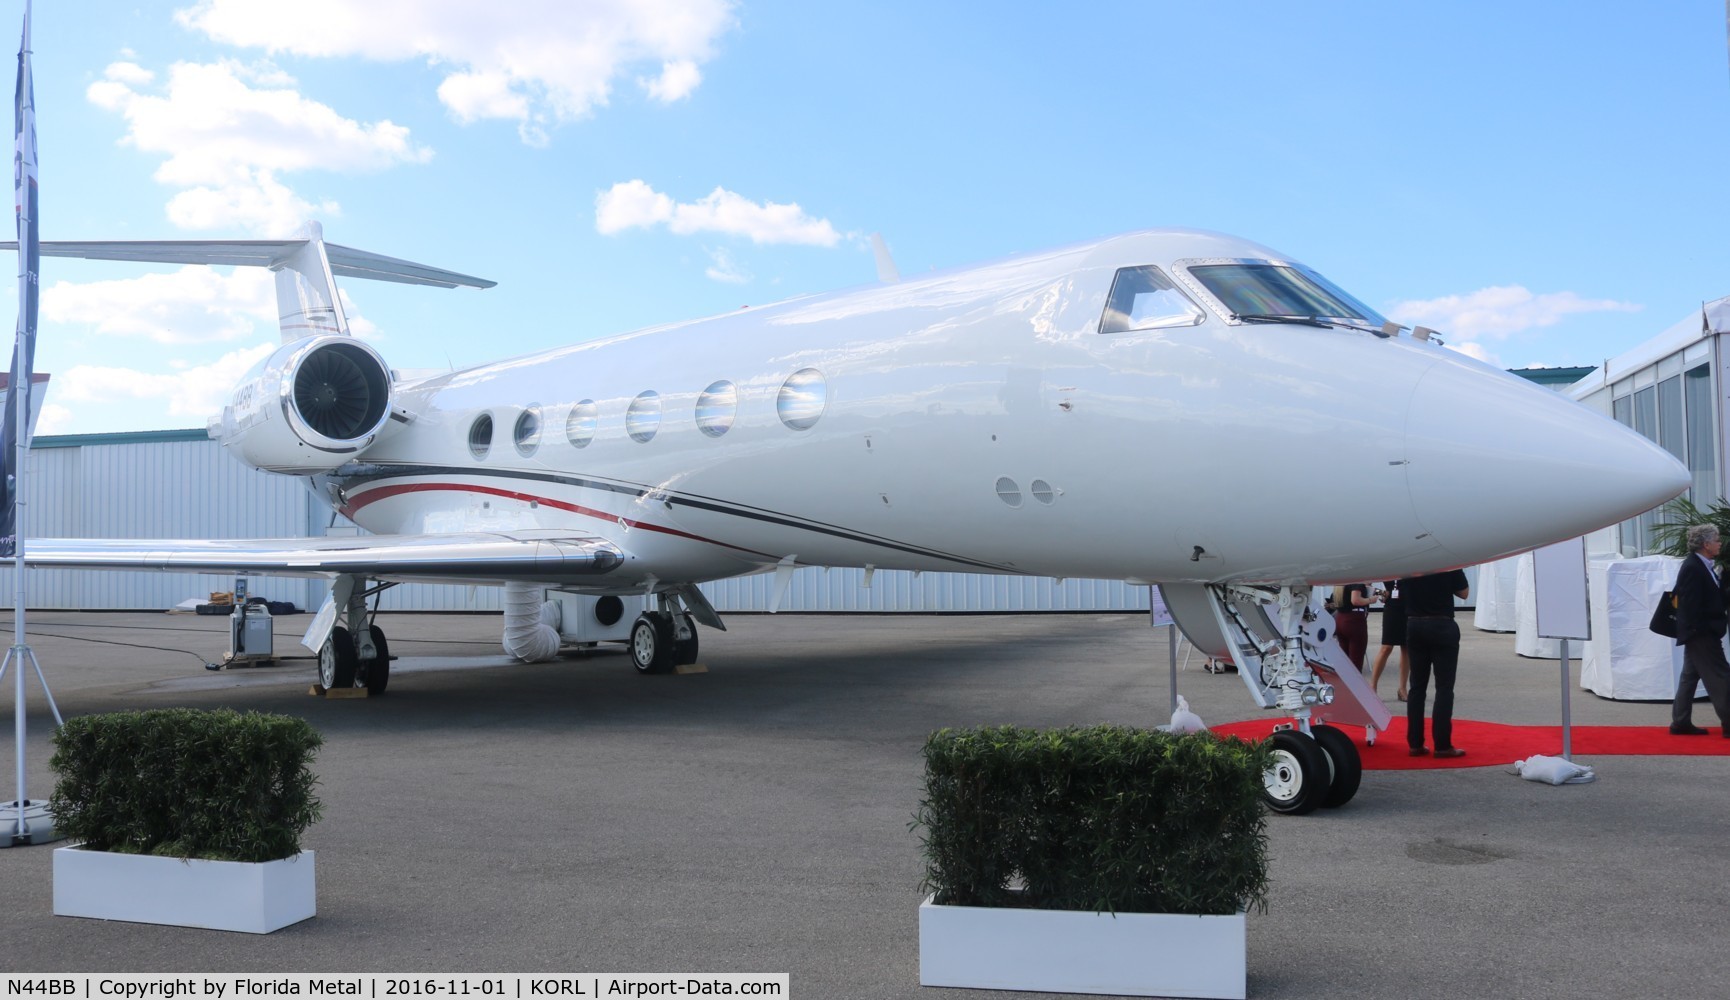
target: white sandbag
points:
(1185, 721)
(1553, 770)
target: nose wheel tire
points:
(337, 662)
(653, 649)
(1298, 781)
(1345, 766)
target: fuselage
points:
(980, 420)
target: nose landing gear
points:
(1288, 660)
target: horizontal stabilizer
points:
(522, 555)
(344, 261)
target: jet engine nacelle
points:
(314, 405)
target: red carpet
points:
(1488, 743)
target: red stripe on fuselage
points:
(384, 492)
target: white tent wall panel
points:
(189, 488)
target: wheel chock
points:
(320, 691)
(691, 668)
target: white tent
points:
(1495, 595)
(1625, 659)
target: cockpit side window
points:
(1267, 289)
(1143, 298)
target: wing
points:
(549, 556)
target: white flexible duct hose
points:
(528, 635)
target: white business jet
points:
(1171, 407)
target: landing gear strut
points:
(355, 654)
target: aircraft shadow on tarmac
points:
(797, 674)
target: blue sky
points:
(1543, 182)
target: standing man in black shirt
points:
(1433, 637)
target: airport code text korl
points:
(507, 986)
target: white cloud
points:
(630, 204)
(532, 61)
(216, 126)
(192, 391)
(1473, 350)
(634, 204)
(676, 81)
(229, 130)
(725, 268)
(259, 204)
(54, 418)
(129, 73)
(1499, 311)
(192, 305)
(473, 96)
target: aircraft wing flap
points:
(474, 556)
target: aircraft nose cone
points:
(1497, 465)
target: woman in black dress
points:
(1393, 634)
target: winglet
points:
(886, 270)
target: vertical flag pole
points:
(30, 821)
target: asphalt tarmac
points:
(485, 816)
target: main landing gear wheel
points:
(685, 650)
(337, 661)
(1345, 767)
(1298, 780)
(375, 674)
(653, 648)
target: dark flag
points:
(12, 434)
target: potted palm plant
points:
(1091, 860)
(185, 817)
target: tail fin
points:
(306, 297)
(307, 303)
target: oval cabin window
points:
(802, 399)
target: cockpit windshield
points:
(1279, 291)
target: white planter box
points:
(1073, 951)
(221, 895)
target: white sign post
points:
(1559, 579)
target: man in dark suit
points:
(1700, 623)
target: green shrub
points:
(1105, 818)
(1670, 535)
(184, 783)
